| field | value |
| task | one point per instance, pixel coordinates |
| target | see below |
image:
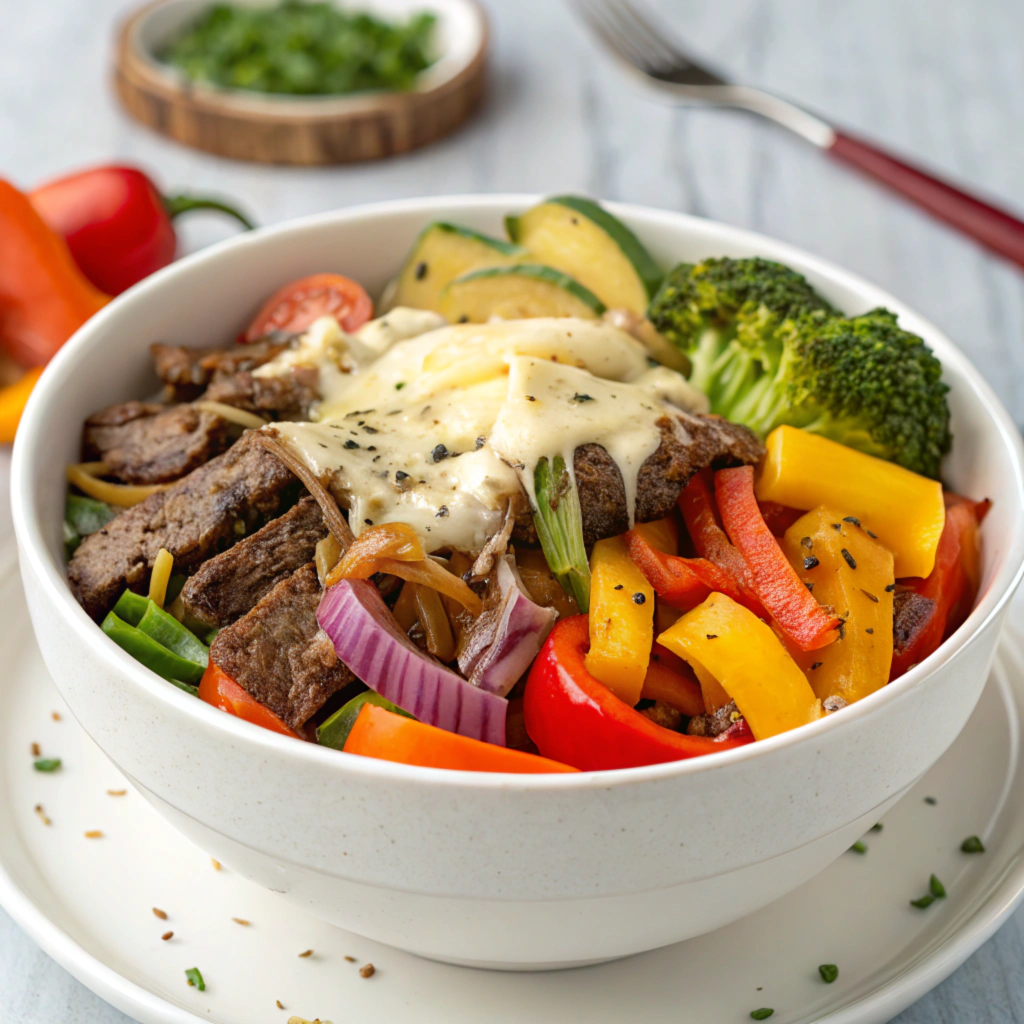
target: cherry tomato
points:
(295, 306)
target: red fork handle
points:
(994, 228)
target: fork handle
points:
(994, 228)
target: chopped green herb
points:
(829, 973)
(876, 827)
(924, 902)
(928, 799)
(858, 847)
(763, 1014)
(972, 844)
(302, 49)
(400, 385)
(195, 978)
(938, 890)
(46, 764)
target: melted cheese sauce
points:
(439, 429)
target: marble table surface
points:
(941, 79)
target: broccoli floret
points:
(723, 312)
(767, 351)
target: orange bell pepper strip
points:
(389, 737)
(677, 688)
(12, 404)
(219, 689)
(44, 297)
(774, 580)
(952, 586)
(575, 719)
(731, 644)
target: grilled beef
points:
(188, 372)
(279, 655)
(193, 519)
(286, 397)
(229, 584)
(142, 443)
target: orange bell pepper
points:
(219, 689)
(390, 737)
(853, 573)
(621, 620)
(44, 297)
(774, 580)
(731, 644)
(673, 687)
(12, 404)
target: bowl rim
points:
(52, 578)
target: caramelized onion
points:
(440, 641)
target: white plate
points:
(88, 902)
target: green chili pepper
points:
(828, 972)
(167, 631)
(972, 844)
(131, 607)
(938, 890)
(150, 653)
(195, 978)
(335, 729)
(46, 764)
(83, 516)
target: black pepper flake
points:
(322, 445)
(851, 519)
(369, 522)
(441, 512)
(400, 476)
(371, 447)
(639, 598)
(869, 630)
(369, 430)
(809, 585)
(530, 398)
(582, 398)
(618, 586)
(710, 636)
(889, 589)
(376, 457)
(351, 444)
(440, 452)
(817, 664)
(873, 536)
(930, 800)
(850, 560)
(807, 542)
(842, 630)
(421, 271)
(480, 442)
(810, 562)
(837, 526)
(463, 319)
(869, 595)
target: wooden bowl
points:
(302, 130)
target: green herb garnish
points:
(930, 800)
(858, 847)
(972, 844)
(923, 902)
(763, 1014)
(559, 523)
(938, 890)
(828, 972)
(46, 764)
(877, 827)
(302, 49)
(195, 978)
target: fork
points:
(646, 50)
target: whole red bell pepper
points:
(116, 223)
(951, 587)
(219, 689)
(575, 719)
(774, 580)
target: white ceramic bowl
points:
(507, 871)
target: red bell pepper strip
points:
(778, 518)
(219, 689)
(383, 734)
(774, 580)
(575, 719)
(951, 586)
(116, 223)
(680, 582)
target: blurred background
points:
(941, 81)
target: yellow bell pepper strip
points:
(905, 510)
(12, 404)
(621, 620)
(853, 574)
(773, 579)
(730, 643)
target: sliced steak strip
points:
(911, 613)
(226, 586)
(189, 371)
(153, 444)
(279, 654)
(192, 518)
(688, 444)
(286, 397)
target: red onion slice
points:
(370, 642)
(508, 635)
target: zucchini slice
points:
(578, 236)
(443, 252)
(517, 292)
